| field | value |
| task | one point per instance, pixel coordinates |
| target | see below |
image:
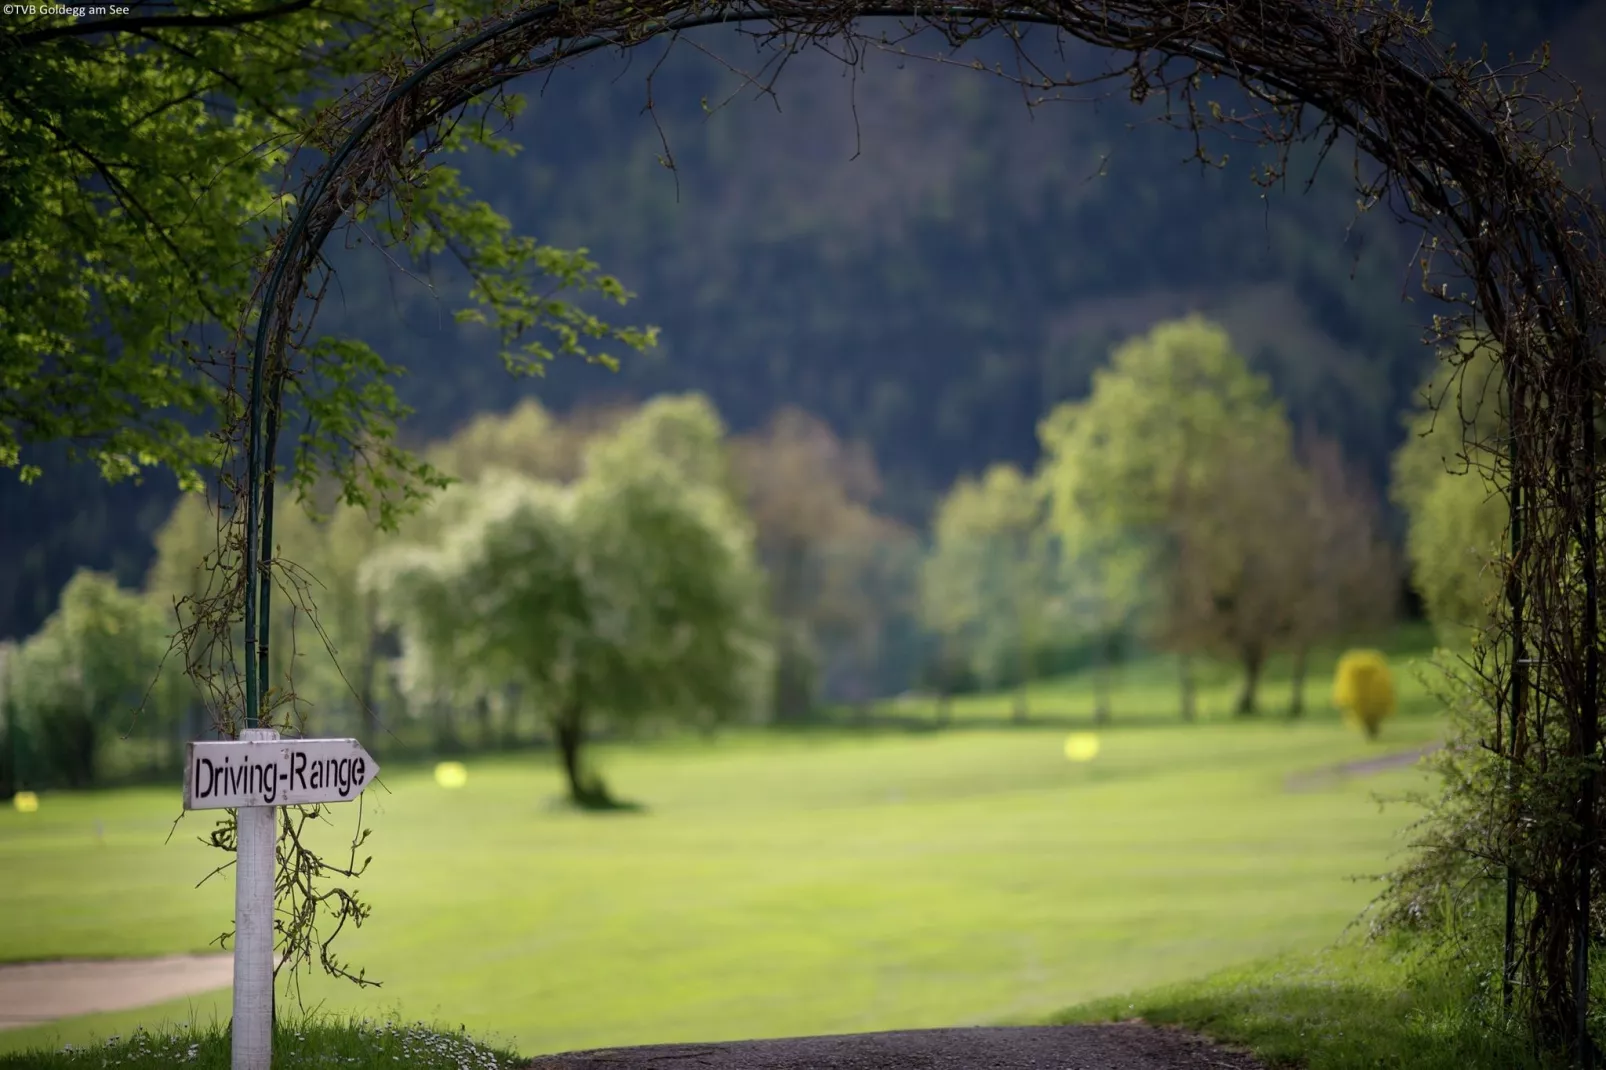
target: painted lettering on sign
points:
(275, 773)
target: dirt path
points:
(32, 993)
(1128, 1046)
(1320, 778)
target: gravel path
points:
(1127, 1046)
(35, 992)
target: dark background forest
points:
(907, 252)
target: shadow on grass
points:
(1347, 1009)
(595, 803)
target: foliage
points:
(84, 674)
(994, 582)
(142, 160)
(1363, 688)
(754, 207)
(526, 439)
(1449, 480)
(1348, 581)
(629, 595)
(836, 569)
(1242, 545)
(1128, 471)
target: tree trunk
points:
(1254, 659)
(1102, 666)
(446, 738)
(1296, 698)
(513, 703)
(365, 685)
(569, 730)
(482, 710)
(1025, 654)
(794, 668)
(1190, 709)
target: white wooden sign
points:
(280, 772)
(255, 774)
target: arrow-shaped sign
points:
(278, 772)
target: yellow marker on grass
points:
(1081, 746)
(451, 775)
(26, 802)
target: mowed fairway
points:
(774, 885)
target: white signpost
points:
(255, 774)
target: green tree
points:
(526, 439)
(632, 594)
(1349, 576)
(348, 673)
(85, 672)
(141, 158)
(1152, 434)
(992, 582)
(1242, 543)
(1449, 481)
(184, 570)
(809, 495)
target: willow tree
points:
(630, 596)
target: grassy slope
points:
(775, 886)
(1353, 1007)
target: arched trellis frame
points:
(1466, 152)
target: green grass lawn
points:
(1359, 1006)
(775, 884)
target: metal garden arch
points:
(1472, 157)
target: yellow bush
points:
(1363, 688)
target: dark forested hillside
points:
(906, 251)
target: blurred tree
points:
(992, 583)
(1153, 433)
(188, 568)
(1240, 543)
(1349, 582)
(1448, 479)
(11, 740)
(418, 593)
(186, 563)
(350, 616)
(629, 595)
(809, 495)
(526, 439)
(868, 607)
(87, 670)
(1363, 688)
(678, 432)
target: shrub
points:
(1363, 688)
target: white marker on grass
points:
(254, 775)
